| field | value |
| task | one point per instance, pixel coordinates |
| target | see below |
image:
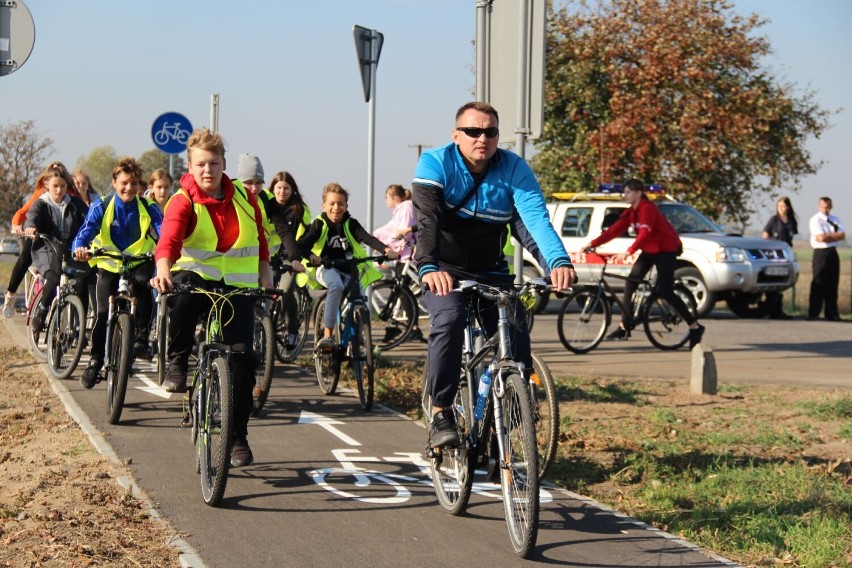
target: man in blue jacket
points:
(465, 194)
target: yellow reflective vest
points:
(103, 239)
(238, 266)
(369, 273)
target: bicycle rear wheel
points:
(665, 327)
(545, 413)
(66, 334)
(215, 430)
(119, 363)
(327, 363)
(583, 320)
(37, 339)
(264, 349)
(518, 467)
(162, 338)
(285, 353)
(452, 468)
(394, 311)
(361, 362)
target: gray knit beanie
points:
(249, 168)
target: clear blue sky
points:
(290, 91)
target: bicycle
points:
(287, 353)
(586, 313)
(264, 350)
(120, 331)
(507, 419)
(209, 402)
(34, 283)
(352, 336)
(62, 337)
(394, 307)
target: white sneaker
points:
(9, 306)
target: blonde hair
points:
(335, 187)
(205, 139)
(79, 172)
(160, 173)
(56, 169)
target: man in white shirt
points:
(826, 233)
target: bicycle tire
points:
(66, 335)
(545, 413)
(452, 469)
(583, 320)
(664, 326)
(119, 363)
(264, 348)
(327, 363)
(215, 431)
(162, 339)
(519, 488)
(362, 364)
(395, 312)
(37, 345)
(303, 309)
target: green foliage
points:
(99, 164)
(155, 159)
(23, 154)
(671, 92)
(841, 408)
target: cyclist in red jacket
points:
(660, 246)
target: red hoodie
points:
(654, 233)
(179, 222)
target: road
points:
(287, 510)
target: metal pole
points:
(481, 45)
(214, 112)
(371, 136)
(521, 131)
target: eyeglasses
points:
(489, 132)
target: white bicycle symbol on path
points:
(171, 131)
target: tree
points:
(154, 159)
(99, 164)
(671, 92)
(23, 153)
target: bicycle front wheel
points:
(395, 313)
(665, 327)
(361, 362)
(327, 362)
(119, 362)
(215, 430)
(162, 338)
(545, 413)
(66, 334)
(264, 349)
(583, 320)
(37, 338)
(518, 467)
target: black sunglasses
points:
(489, 132)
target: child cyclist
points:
(121, 222)
(335, 235)
(159, 188)
(212, 237)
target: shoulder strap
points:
(476, 183)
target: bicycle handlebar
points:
(182, 288)
(349, 262)
(120, 255)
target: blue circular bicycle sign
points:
(170, 132)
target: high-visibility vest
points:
(103, 239)
(368, 273)
(237, 266)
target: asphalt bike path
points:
(333, 485)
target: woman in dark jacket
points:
(59, 215)
(782, 226)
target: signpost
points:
(368, 47)
(17, 36)
(170, 132)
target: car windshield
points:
(685, 219)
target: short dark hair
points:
(480, 106)
(634, 184)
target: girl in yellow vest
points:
(334, 235)
(125, 223)
(212, 236)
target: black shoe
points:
(620, 334)
(390, 334)
(241, 453)
(90, 375)
(141, 351)
(443, 432)
(780, 316)
(175, 381)
(695, 335)
(417, 335)
(833, 318)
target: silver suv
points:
(714, 265)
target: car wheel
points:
(752, 306)
(705, 300)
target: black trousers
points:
(106, 286)
(665, 264)
(826, 277)
(237, 317)
(25, 259)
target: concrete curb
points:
(189, 557)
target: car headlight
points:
(730, 254)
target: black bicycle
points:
(394, 308)
(287, 348)
(587, 313)
(121, 329)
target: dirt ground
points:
(60, 503)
